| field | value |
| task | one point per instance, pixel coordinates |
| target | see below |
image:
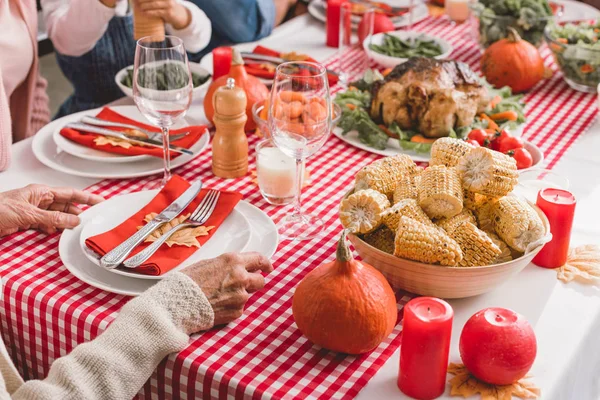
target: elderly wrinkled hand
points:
(41, 207)
(227, 281)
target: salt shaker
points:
(230, 144)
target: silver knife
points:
(117, 255)
(246, 55)
(108, 132)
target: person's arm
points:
(281, 9)
(74, 26)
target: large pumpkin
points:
(345, 305)
(254, 88)
(513, 62)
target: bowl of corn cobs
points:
(451, 230)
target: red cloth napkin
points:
(257, 69)
(166, 258)
(87, 139)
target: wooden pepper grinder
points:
(144, 25)
(230, 144)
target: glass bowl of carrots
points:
(260, 114)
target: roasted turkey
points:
(429, 96)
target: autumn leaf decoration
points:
(184, 237)
(583, 265)
(466, 385)
(116, 142)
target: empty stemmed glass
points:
(300, 121)
(162, 88)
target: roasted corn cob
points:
(440, 192)
(477, 248)
(517, 223)
(382, 239)
(488, 172)
(450, 224)
(473, 200)
(448, 151)
(406, 187)
(484, 214)
(505, 252)
(419, 242)
(408, 208)
(361, 211)
(382, 175)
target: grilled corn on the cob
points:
(484, 214)
(408, 208)
(406, 187)
(450, 224)
(488, 172)
(505, 252)
(361, 211)
(440, 192)
(382, 239)
(448, 151)
(382, 175)
(517, 223)
(419, 242)
(477, 248)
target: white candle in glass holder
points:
(276, 175)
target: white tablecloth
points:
(566, 317)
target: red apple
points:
(381, 23)
(498, 346)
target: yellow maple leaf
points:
(184, 237)
(466, 385)
(293, 56)
(268, 67)
(583, 264)
(116, 142)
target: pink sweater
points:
(26, 111)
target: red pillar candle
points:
(221, 61)
(426, 331)
(559, 207)
(332, 22)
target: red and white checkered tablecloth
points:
(47, 311)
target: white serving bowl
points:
(391, 62)
(194, 67)
(536, 155)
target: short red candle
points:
(426, 331)
(332, 22)
(559, 207)
(221, 61)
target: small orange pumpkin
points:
(254, 88)
(513, 62)
(345, 305)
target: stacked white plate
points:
(61, 154)
(246, 229)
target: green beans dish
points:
(394, 46)
(171, 76)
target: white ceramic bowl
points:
(194, 67)
(391, 62)
(536, 155)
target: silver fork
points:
(200, 215)
(151, 135)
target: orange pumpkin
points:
(345, 305)
(513, 62)
(254, 88)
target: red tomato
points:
(498, 137)
(381, 23)
(480, 136)
(522, 157)
(498, 346)
(510, 143)
(473, 142)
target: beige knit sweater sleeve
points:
(117, 363)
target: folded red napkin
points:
(87, 139)
(260, 70)
(166, 258)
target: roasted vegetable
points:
(477, 248)
(488, 172)
(517, 223)
(448, 151)
(440, 192)
(408, 208)
(383, 174)
(361, 211)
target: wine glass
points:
(162, 88)
(300, 122)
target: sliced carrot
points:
(295, 109)
(316, 111)
(495, 101)
(587, 68)
(562, 40)
(318, 100)
(351, 106)
(386, 71)
(352, 88)
(491, 123)
(506, 115)
(280, 111)
(422, 139)
(388, 132)
(295, 127)
(289, 96)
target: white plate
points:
(264, 239)
(47, 152)
(575, 11)
(197, 92)
(390, 62)
(316, 8)
(232, 236)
